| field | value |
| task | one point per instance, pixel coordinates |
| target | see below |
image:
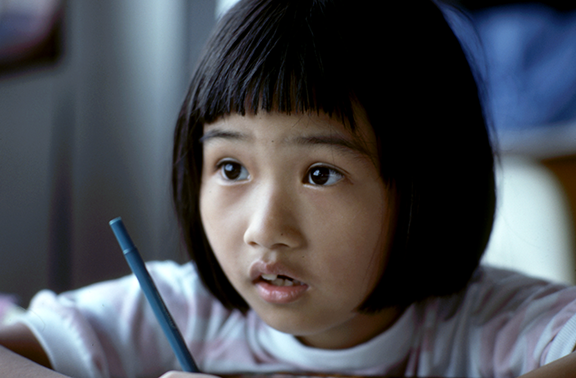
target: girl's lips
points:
(273, 291)
(279, 294)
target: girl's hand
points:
(562, 368)
(179, 374)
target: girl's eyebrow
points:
(339, 142)
(217, 133)
(334, 141)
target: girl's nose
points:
(273, 222)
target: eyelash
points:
(318, 172)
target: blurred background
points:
(89, 95)
(90, 92)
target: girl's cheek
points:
(220, 206)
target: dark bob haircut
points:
(407, 70)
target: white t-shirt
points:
(504, 325)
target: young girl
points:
(333, 179)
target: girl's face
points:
(295, 211)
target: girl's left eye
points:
(324, 176)
(233, 171)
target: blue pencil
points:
(151, 292)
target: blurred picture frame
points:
(31, 35)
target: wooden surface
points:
(564, 168)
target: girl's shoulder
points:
(175, 282)
(87, 329)
(495, 290)
(500, 299)
(500, 313)
(496, 282)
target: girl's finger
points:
(179, 374)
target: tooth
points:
(275, 280)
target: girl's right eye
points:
(233, 171)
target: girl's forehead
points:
(294, 129)
(292, 124)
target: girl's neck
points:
(360, 329)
